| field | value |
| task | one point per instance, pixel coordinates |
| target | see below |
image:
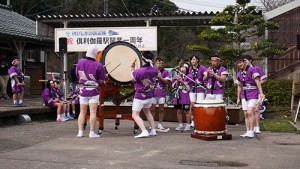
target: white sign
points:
(78, 39)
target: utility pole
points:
(105, 6)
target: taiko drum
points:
(210, 117)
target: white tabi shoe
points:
(93, 135)
(144, 133)
(152, 132)
(244, 135)
(257, 130)
(187, 127)
(159, 126)
(80, 134)
(250, 134)
(179, 127)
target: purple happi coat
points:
(246, 80)
(160, 86)
(16, 71)
(181, 92)
(261, 73)
(197, 75)
(144, 78)
(58, 94)
(90, 73)
(218, 87)
(48, 94)
(74, 95)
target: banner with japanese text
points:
(78, 39)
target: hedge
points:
(278, 92)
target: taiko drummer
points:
(89, 73)
(144, 79)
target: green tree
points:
(47, 7)
(243, 31)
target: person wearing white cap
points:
(90, 74)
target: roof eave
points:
(280, 10)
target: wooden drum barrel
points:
(210, 117)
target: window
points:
(31, 55)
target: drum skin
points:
(118, 58)
(210, 118)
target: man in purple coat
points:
(215, 77)
(263, 78)
(196, 73)
(17, 83)
(250, 91)
(144, 79)
(89, 73)
(161, 85)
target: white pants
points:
(250, 103)
(88, 100)
(214, 97)
(138, 104)
(197, 97)
(158, 100)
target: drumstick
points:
(114, 68)
(133, 63)
(107, 64)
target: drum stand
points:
(224, 136)
(112, 90)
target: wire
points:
(50, 9)
(125, 6)
(186, 10)
(202, 3)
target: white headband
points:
(216, 58)
(185, 65)
(14, 61)
(148, 60)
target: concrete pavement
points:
(54, 145)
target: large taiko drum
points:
(210, 117)
(118, 58)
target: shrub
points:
(278, 92)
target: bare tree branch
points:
(268, 5)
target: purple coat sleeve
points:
(101, 73)
(46, 95)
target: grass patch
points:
(276, 125)
(277, 119)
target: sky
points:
(205, 5)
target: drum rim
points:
(107, 48)
(211, 105)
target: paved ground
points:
(53, 145)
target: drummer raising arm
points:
(215, 77)
(144, 79)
